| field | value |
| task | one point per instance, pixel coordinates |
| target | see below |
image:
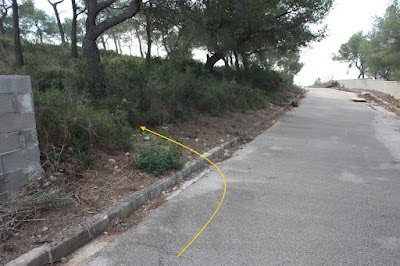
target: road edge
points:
(83, 233)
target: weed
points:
(9, 247)
(397, 105)
(71, 128)
(159, 155)
(274, 96)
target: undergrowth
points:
(157, 155)
(73, 121)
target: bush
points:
(157, 156)
(72, 128)
(262, 79)
(51, 79)
(327, 84)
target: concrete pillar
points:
(19, 147)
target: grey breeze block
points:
(19, 147)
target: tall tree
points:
(351, 52)
(378, 53)
(136, 25)
(36, 22)
(76, 11)
(4, 8)
(383, 59)
(253, 26)
(149, 22)
(74, 41)
(94, 28)
(60, 27)
(17, 38)
(166, 23)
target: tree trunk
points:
(119, 44)
(17, 39)
(2, 29)
(245, 60)
(226, 61)
(212, 60)
(361, 69)
(164, 42)
(40, 32)
(149, 41)
(94, 29)
(140, 43)
(115, 42)
(130, 46)
(96, 70)
(103, 42)
(60, 27)
(236, 60)
(74, 39)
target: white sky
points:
(346, 18)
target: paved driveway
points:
(320, 187)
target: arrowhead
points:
(143, 128)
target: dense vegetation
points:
(72, 118)
(376, 54)
(100, 99)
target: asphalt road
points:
(322, 186)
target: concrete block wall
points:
(388, 87)
(19, 150)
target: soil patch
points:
(378, 99)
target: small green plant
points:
(9, 247)
(274, 96)
(397, 105)
(158, 155)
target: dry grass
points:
(27, 208)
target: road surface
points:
(322, 186)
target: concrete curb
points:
(374, 97)
(388, 105)
(81, 234)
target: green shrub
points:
(274, 96)
(73, 128)
(51, 79)
(327, 84)
(263, 79)
(159, 155)
(398, 105)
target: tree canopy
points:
(250, 27)
(268, 34)
(376, 54)
(351, 52)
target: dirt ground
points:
(89, 191)
(375, 98)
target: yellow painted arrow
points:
(223, 177)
